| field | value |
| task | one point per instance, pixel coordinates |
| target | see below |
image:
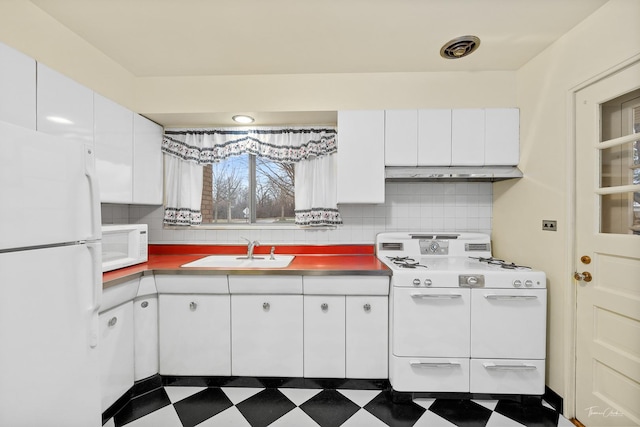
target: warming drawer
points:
(507, 376)
(413, 374)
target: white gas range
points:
(460, 320)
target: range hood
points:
(452, 173)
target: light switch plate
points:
(549, 225)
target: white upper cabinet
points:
(147, 161)
(114, 150)
(458, 137)
(467, 137)
(17, 88)
(502, 136)
(64, 107)
(400, 137)
(360, 156)
(434, 137)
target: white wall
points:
(409, 206)
(608, 37)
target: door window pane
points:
(620, 213)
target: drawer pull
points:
(494, 367)
(419, 364)
(144, 304)
(266, 306)
(193, 306)
(324, 306)
(112, 322)
(510, 297)
(367, 307)
(436, 296)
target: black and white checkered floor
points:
(299, 407)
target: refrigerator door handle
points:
(90, 172)
(95, 250)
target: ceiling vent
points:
(459, 47)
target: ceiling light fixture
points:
(459, 47)
(242, 118)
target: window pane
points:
(620, 165)
(230, 190)
(274, 192)
(620, 213)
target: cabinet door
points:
(116, 353)
(266, 336)
(367, 326)
(194, 335)
(17, 88)
(400, 137)
(147, 161)
(64, 107)
(145, 316)
(434, 137)
(324, 336)
(502, 136)
(467, 137)
(361, 156)
(114, 150)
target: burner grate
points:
(405, 262)
(502, 263)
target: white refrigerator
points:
(50, 281)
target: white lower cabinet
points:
(145, 316)
(116, 352)
(194, 334)
(367, 333)
(324, 336)
(266, 335)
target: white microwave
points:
(124, 245)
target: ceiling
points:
(247, 37)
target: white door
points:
(608, 251)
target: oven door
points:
(431, 322)
(508, 323)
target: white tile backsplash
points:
(411, 206)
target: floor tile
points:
(201, 406)
(463, 413)
(430, 419)
(141, 406)
(176, 394)
(499, 420)
(563, 422)
(394, 414)
(230, 417)
(424, 402)
(360, 397)
(294, 418)
(363, 418)
(164, 417)
(238, 394)
(489, 404)
(253, 408)
(341, 408)
(529, 415)
(299, 395)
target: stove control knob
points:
(528, 283)
(517, 283)
(427, 282)
(472, 281)
(416, 282)
(434, 246)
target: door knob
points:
(585, 276)
(585, 259)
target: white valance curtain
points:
(311, 149)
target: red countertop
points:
(309, 259)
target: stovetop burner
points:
(502, 263)
(405, 262)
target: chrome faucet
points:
(251, 245)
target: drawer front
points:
(508, 376)
(410, 374)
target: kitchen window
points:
(248, 189)
(251, 176)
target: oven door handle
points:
(419, 364)
(510, 297)
(523, 367)
(436, 296)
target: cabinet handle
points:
(419, 364)
(266, 306)
(144, 304)
(193, 306)
(510, 297)
(324, 306)
(367, 307)
(523, 367)
(112, 322)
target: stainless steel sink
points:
(236, 261)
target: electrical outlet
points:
(549, 225)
